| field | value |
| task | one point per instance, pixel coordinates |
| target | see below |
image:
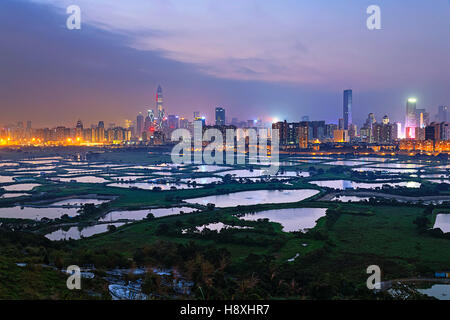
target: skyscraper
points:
(100, 131)
(348, 99)
(411, 121)
(159, 107)
(220, 116)
(173, 121)
(442, 113)
(79, 129)
(183, 123)
(422, 118)
(139, 125)
(149, 120)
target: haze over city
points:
(279, 60)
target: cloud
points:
(240, 40)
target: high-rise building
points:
(220, 116)
(173, 121)
(433, 132)
(60, 133)
(329, 130)
(422, 118)
(420, 134)
(383, 133)
(149, 121)
(79, 130)
(159, 107)
(316, 130)
(341, 124)
(370, 120)
(445, 131)
(139, 125)
(411, 121)
(347, 112)
(282, 128)
(200, 120)
(184, 123)
(302, 135)
(341, 136)
(197, 117)
(352, 131)
(442, 113)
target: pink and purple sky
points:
(270, 58)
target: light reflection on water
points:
(348, 184)
(247, 198)
(442, 222)
(75, 233)
(291, 219)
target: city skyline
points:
(156, 115)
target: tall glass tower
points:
(411, 106)
(159, 107)
(411, 121)
(347, 112)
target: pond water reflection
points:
(291, 219)
(247, 198)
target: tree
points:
(422, 223)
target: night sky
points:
(271, 58)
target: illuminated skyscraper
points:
(149, 120)
(151, 115)
(347, 112)
(173, 121)
(159, 107)
(220, 116)
(411, 121)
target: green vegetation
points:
(252, 263)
